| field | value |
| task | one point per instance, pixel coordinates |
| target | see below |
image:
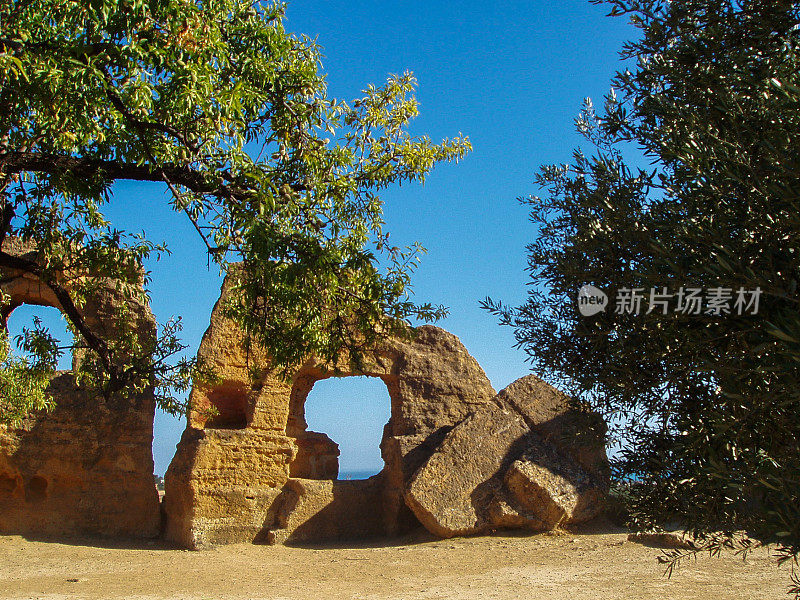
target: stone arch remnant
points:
(458, 457)
(272, 479)
(86, 467)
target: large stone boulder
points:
(450, 492)
(572, 429)
(531, 460)
(551, 489)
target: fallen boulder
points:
(552, 415)
(450, 493)
(552, 488)
(531, 460)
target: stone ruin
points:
(459, 458)
(87, 466)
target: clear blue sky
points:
(511, 75)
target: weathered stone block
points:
(551, 414)
(451, 491)
(320, 510)
(552, 489)
(317, 457)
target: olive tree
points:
(704, 402)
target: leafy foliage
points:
(705, 406)
(217, 101)
(23, 383)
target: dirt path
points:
(565, 566)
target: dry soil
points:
(599, 564)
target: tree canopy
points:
(704, 403)
(215, 99)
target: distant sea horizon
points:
(358, 473)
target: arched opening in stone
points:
(352, 411)
(51, 319)
(229, 402)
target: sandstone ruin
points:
(230, 478)
(458, 457)
(87, 466)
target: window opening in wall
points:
(50, 319)
(352, 411)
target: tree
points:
(217, 101)
(704, 406)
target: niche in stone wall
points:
(228, 400)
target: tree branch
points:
(6, 216)
(115, 99)
(18, 162)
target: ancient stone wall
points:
(87, 466)
(232, 478)
(458, 458)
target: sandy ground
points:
(594, 564)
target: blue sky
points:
(510, 75)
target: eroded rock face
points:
(528, 460)
(84, 468)
(433, 384)
(87, 466)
